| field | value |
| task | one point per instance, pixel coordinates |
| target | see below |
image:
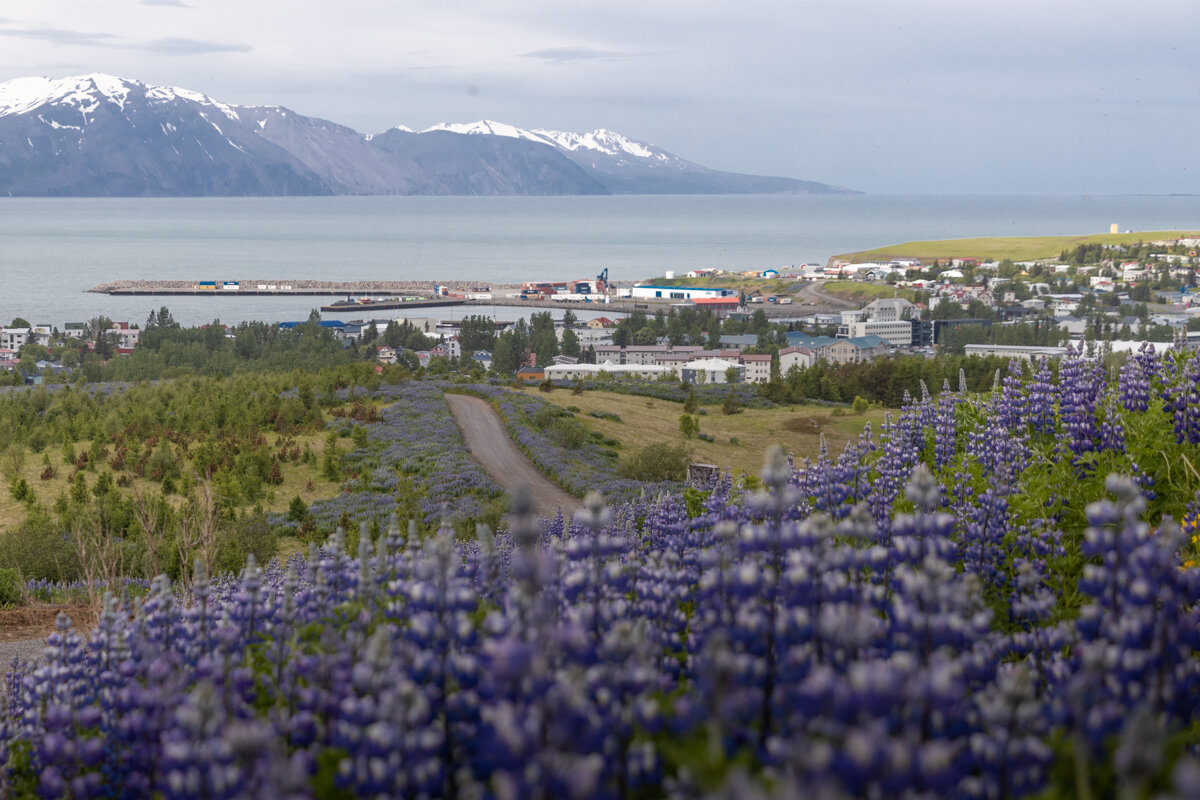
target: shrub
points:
(297, 509)
(39, 549)
(688, 425)
(569, 433)
(658, 462)
(249, 534)
(10, 587)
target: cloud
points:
(573, 54)
(61, 36)
(172, 46)
(169, 3)
(175, 46)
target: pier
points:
(288, 288)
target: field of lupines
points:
(414, 454)
(989, 598)
(562, 449)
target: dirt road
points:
(814, 294)
(489, 443)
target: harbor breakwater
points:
(294, 287)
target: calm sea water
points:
(53, 250)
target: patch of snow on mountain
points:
(603, 141)
(57, 126)
(114, 89)
(488, 127)
(22, 95)
(165, 94)
(86, 92)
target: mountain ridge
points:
(97, 135)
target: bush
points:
(688, 425)
(860, 405)
(297, 510)
(658, 462)
(569, 433)
(10, 587)
(249, 534)
(38, 549)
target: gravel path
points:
(25, 649)
(491, 446)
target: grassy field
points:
(863, 292)
(296, 477)
(1017, 248)
(644, 421)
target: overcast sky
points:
(896, 96)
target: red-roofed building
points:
(531, 374)
(719, 305)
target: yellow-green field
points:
(296, 477)
(1017, 248)
(644, 421)
(863, 292)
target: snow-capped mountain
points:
(102, 135)
(629, 166)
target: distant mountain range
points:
(98, 135)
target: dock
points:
(390, 304)
(279, 287)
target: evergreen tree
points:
(570, 344)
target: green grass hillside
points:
(644, 421)
(997, 248)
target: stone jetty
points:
(293, 286)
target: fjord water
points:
(53, 250)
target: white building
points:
(1026, 352)
(885, 317)
(711, 370)
(127, 337)
(888, 309)
(897, 334)
(800, 357)
(678, 293)
(575, 372)
(13, 338)
(758, 368)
